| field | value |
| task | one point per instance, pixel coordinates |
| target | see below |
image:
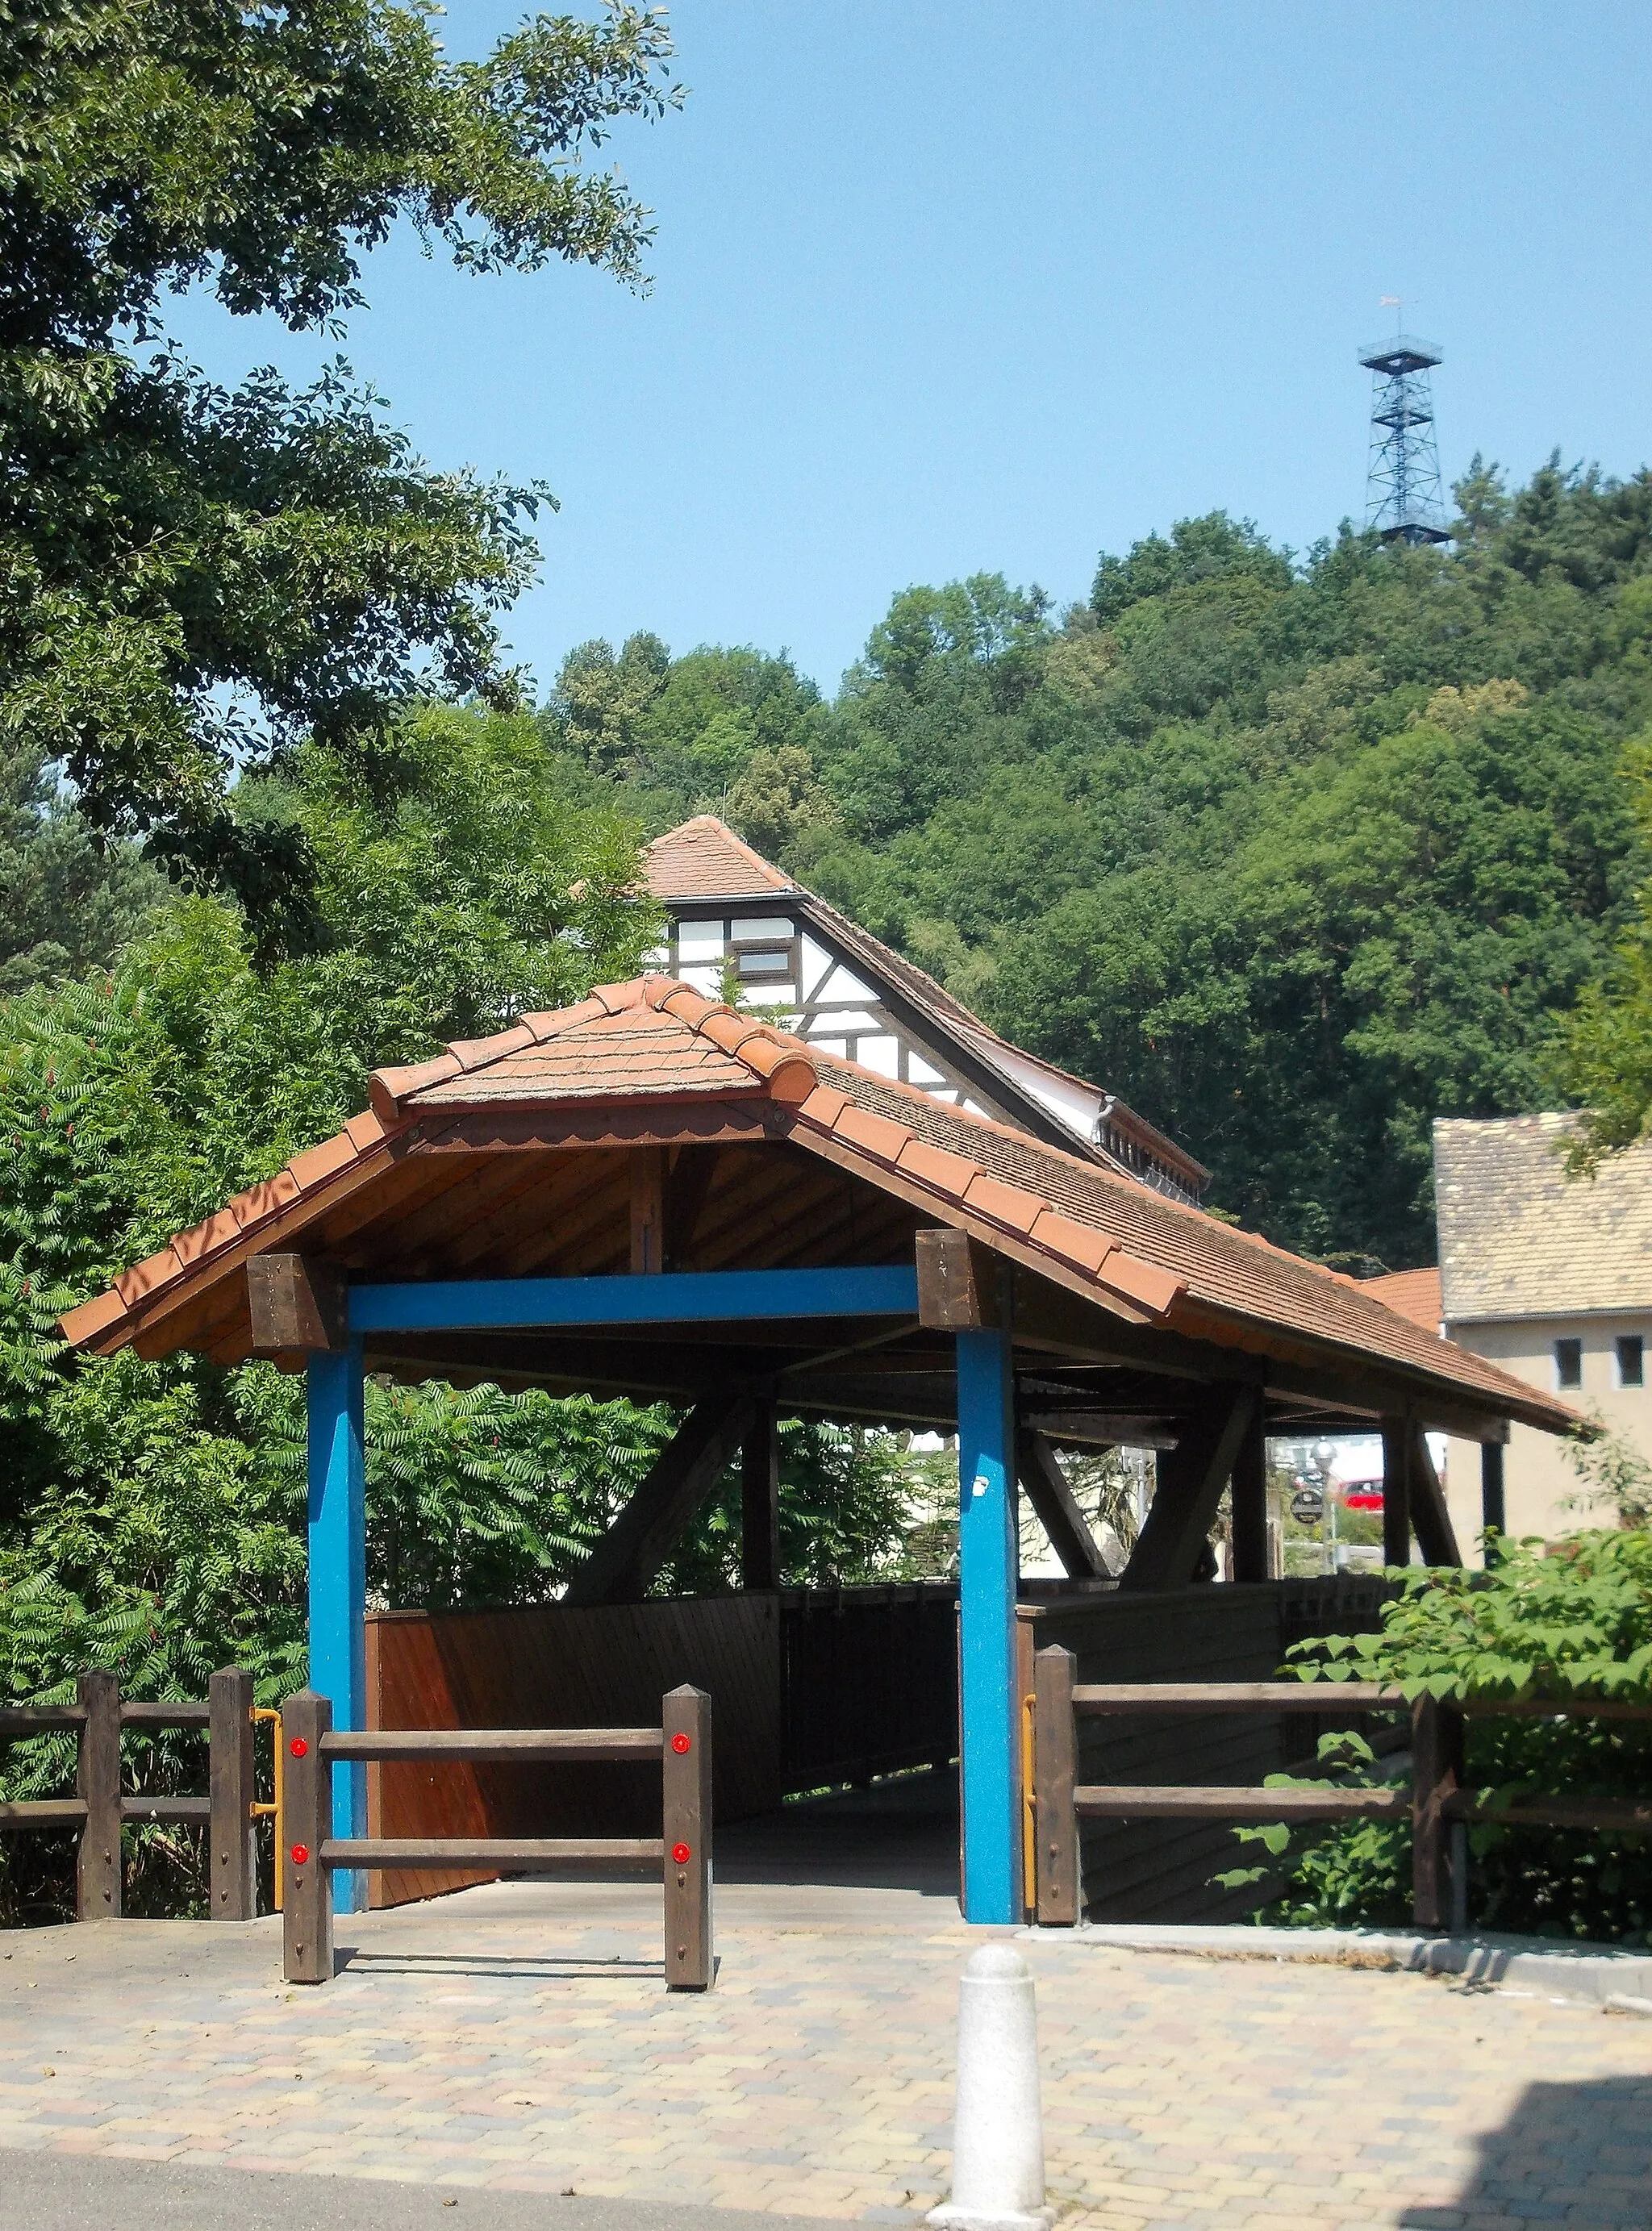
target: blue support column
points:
(986, 1566)
(338, 1553)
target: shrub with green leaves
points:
(1570, 1625)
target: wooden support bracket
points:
(294, 1304)
(760, 1498)
(958, 1283)
(1437, 1536)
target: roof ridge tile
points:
(548, 1023)
(616, 998)
(387, 1088)
(476, 1053)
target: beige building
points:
(1550, 1277)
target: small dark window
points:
(763, 961)
(1631, 1360)
(1569, 1363)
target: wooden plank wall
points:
(1162, 1870)
(548, 1666)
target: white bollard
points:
(998, 2126)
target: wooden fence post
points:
(232, 1887)
(1055, 1756)
(1436, 1774)
(307, 1907)
(97, 1784)
(685, 1715)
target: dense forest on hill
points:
(1294, 854)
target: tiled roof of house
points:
(1519, 1239)
(1415, 1294)
(659, 1041)
(704, 859)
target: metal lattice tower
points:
(1402, 498)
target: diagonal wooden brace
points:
(634, 1548)
(1191, 1478)
(1430, 1519)
(1057, 1511)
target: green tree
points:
(195, 577)
(718, 730)
(1531, 1626)
(1294, 854)
(68, 902)
(1604, 1061)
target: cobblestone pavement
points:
(518, 2037)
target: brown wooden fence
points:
(677, 1753)
(99, 1808)
(1435, 1800)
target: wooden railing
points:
(99, 1807)
(1435, 1801)
(311, 1747)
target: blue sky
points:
(983, 286)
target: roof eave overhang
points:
(696, 1118)
(768, 895)
(1446, 1405)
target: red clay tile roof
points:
(704, 859)
(1414, 1294)
(1103, 1235)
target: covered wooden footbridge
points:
(649, 1194)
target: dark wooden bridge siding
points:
(1162, 1870)
(548, 1666)
(815, 1688)
(869, 1682)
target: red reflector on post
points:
(681, 1745)
(299, 1748)
(300, 1855)
(681, 1855)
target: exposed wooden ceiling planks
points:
(482, 1182)
(540, 1201)
(600, 1202)
(348, 1233)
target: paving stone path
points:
(517, 2037)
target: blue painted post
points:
(986, 1565)
(338, 1548)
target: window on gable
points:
(761, 964)
(1631, 1360)
(1568, 1363)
